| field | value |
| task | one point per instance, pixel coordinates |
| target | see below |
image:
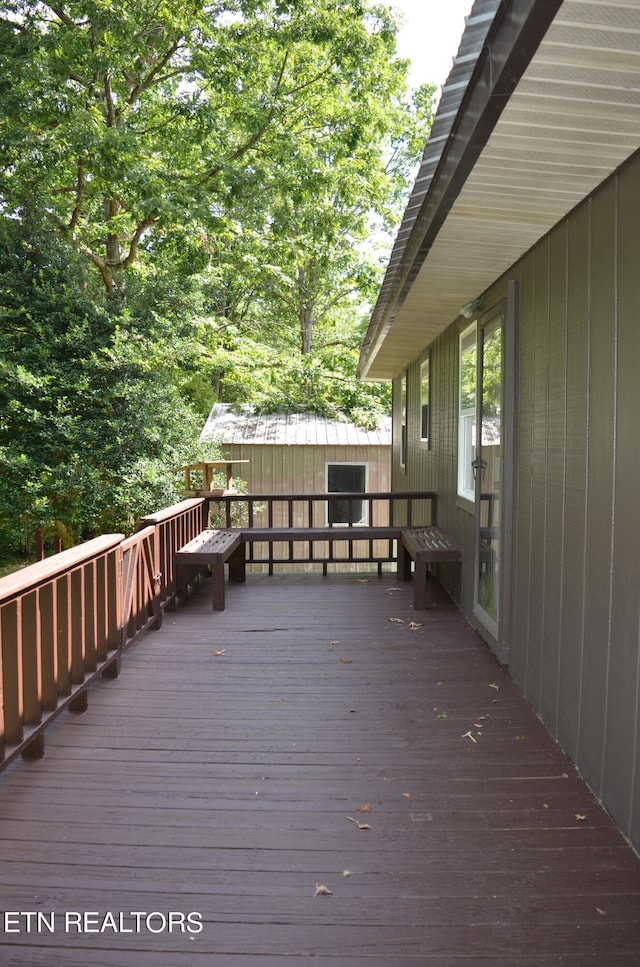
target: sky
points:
(430, 36)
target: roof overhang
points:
(542, 104)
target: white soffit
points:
(573, 118)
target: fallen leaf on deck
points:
(397, 621)
(545, 805)
(519, 738)
(406, 795)
(602, 913)
(346, 661)
(493, 685)
(219, 654)
(468, 735)
(580, 817)
(393, 590)
(358, 824)
(336, 642)
(476, 725)
(366, 807)
(442, 715)
(347, 873)
(414, 625)
(322, 890)
(362, 580)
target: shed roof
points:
(232, 426)
(542, 104)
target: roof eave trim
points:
(512, 40)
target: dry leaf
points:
(322, 890)
(336, 642)
(364, 808)
(397, 621)
(580, 817)
(545, 805)
(346, 661)
(442, 715)
(358, 824)
(493, 685)
(602, 912)
(406, 795)
(219, 654)
(519, 738)
(362, 580)
(468, 735)
(347, 873)
(393, 590)
(476, 725)
(414, 625)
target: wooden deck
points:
(221, 774)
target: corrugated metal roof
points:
(228, 426)
(572, 119)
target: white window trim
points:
(466, 421)
(426, 361)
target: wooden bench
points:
(215, 548)
(425, 545)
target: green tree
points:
(138, 122)
(90, 428)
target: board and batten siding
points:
(572, 601)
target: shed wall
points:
(572, 600)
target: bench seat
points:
(215, 548)
(425, 545)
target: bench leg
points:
(217, 586)
(237, 565)
(404, 563)
(420, 586)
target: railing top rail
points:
(365, 495)
(138, 537)
(33, 575)
(174, 511)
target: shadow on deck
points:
(226, 772)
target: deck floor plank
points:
(227, 784)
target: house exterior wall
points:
(570, 601)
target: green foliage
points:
(191, 201)
(90, 429)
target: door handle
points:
(478, 464)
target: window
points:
(425, 402)
(467, 413)
(346, 478)
(403, 420)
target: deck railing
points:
(401, 508)
(340, 512)
(67, 620)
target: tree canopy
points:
(192, 198)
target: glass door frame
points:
(489, 532)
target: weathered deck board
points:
(224, 784)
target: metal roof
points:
(542, 104)
(228, 426)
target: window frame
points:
(404, 392)
(425, 363)
(467, 416)
(346, 463)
